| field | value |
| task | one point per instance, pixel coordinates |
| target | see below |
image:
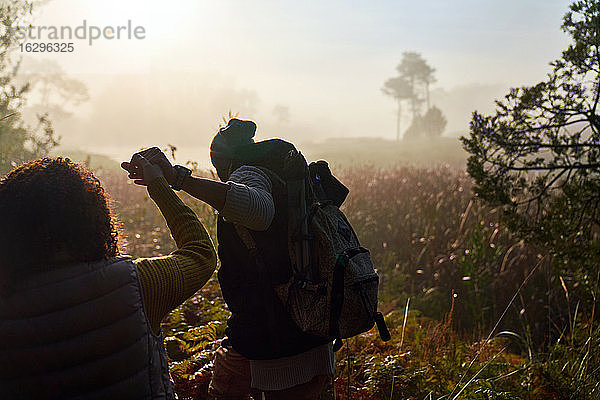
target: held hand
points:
(155, 156)
(163, 162)
(141, 170)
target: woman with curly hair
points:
(78, 320)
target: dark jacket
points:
(259, 327)
(81, 332)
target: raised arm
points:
(245, 199)
(168, 281)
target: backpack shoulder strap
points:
(250, 245)
(246, 237)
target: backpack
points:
(332, 292)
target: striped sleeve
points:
(249, 201)
(168, 281)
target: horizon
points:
(302, 71)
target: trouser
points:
(231, 380)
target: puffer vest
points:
(81, 332)
(260, 328)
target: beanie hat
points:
(237, 133)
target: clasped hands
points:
(147, 165)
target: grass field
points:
(352, 152)
(474, 313)
(339, 152)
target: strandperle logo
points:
(84, 31)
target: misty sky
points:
(304, 70)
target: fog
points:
(303, 71)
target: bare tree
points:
(412, 84)
(56, 91)
(399, 89)
(419, 74)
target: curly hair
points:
(52, 212)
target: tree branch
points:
(552, 126)
(552, 146)
(546, 168)
(545, 189)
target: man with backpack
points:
(265, 350)
(293, 272)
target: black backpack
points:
(333, 290)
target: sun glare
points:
(163, 22)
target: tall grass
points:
(474, 312)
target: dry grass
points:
(463, 272)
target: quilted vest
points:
(81, 332)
